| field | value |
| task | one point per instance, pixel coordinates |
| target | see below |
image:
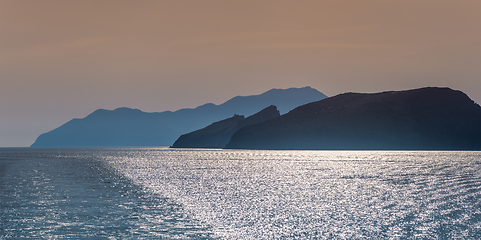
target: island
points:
(218, 134)
(428, 118)
(133, 127)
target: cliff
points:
(420, 119)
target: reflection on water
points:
(240, 194)
(69, 194)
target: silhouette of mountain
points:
(132, 127)
(218, 134)
(421, 119)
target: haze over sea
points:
(144, 193)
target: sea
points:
(163, 193)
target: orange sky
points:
(64, 59)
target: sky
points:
(64, 59)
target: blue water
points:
(159, 193)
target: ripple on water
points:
(310, 194)
(80, 197)
(241, 194)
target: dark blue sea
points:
(161, 193)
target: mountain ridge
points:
(133, 127)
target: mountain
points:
(420, 119)
(132, 127)
(218, 134)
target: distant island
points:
(133, 127)
(420, 119)
(428, 118)
(218, 134)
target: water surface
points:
(239, 194)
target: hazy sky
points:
(64, 59)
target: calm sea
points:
(160, 193)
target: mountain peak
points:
(284, 99)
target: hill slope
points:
(218, 134)
(420, 119)
(132, 127)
